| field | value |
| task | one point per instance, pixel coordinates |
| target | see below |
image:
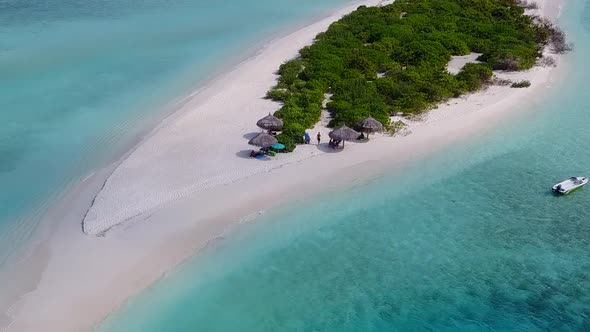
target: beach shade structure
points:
(263, 140)
(369, 125)
(270, 123)
(343, 134)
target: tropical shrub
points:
(382, 60)
(521, 84)
(474, 76)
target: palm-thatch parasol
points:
(370, 125)
(343, 134)
(263, 140)
(270, 122)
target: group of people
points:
(334, 143)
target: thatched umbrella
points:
(343, 134)
(370, 125)
(263, 140)
(270, 122)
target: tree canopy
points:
(380, 60)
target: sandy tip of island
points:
(167, 198)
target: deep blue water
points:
(79, 80)
(468, 240)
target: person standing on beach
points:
(319, 138)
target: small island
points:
(379, 61)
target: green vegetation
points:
(521, 84)
(380, 60)
(396, 127)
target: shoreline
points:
(81, 189)
(144, 128)
(142, 244)
(208, 101)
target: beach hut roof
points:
(270, 122)
(370, 125)
(343, 134)
(263, 140)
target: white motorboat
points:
(569, 185)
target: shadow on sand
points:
(251, 135)
(325, 147)
(245, 154)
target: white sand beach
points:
(166, 199)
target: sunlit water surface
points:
(80, 80)
(471, 240)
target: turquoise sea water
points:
(470, 240)
(78, 78)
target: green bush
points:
(288, 141)
(278, 94)
(521, 84)
(289, 70)
(380, 60)
(475, 75)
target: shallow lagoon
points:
(471, 240)
(81, 80)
